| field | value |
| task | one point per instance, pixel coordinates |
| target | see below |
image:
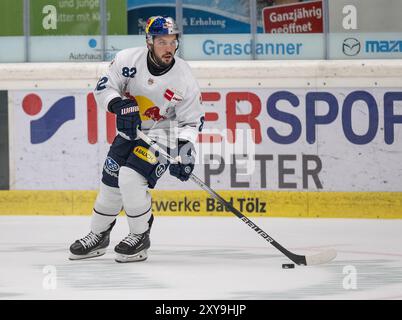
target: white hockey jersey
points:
(170, 104)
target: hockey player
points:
(152, 90)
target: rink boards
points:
(294, 139)
(384, 205)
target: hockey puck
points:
(288, 266)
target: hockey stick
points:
(319, 258)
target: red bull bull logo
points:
(148, 110)
(154, 114)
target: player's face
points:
(165, 48)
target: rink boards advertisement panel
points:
(258, 145)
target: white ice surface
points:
(203, 258)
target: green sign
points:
(11, 18)
(76, 17)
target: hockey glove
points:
(185, 167)
(127, 116)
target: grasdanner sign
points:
(266, 46)
(217, 48)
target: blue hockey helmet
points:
(158, 25)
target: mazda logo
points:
(351, 46)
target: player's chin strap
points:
(319, 258)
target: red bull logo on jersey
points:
(148, 109)
(154, 114)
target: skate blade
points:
(93, 254)
(123, 258)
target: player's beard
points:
(161, 62)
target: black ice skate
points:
(92, 245)
(134, 247)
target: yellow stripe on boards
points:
(198, 203)
(22, 202)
